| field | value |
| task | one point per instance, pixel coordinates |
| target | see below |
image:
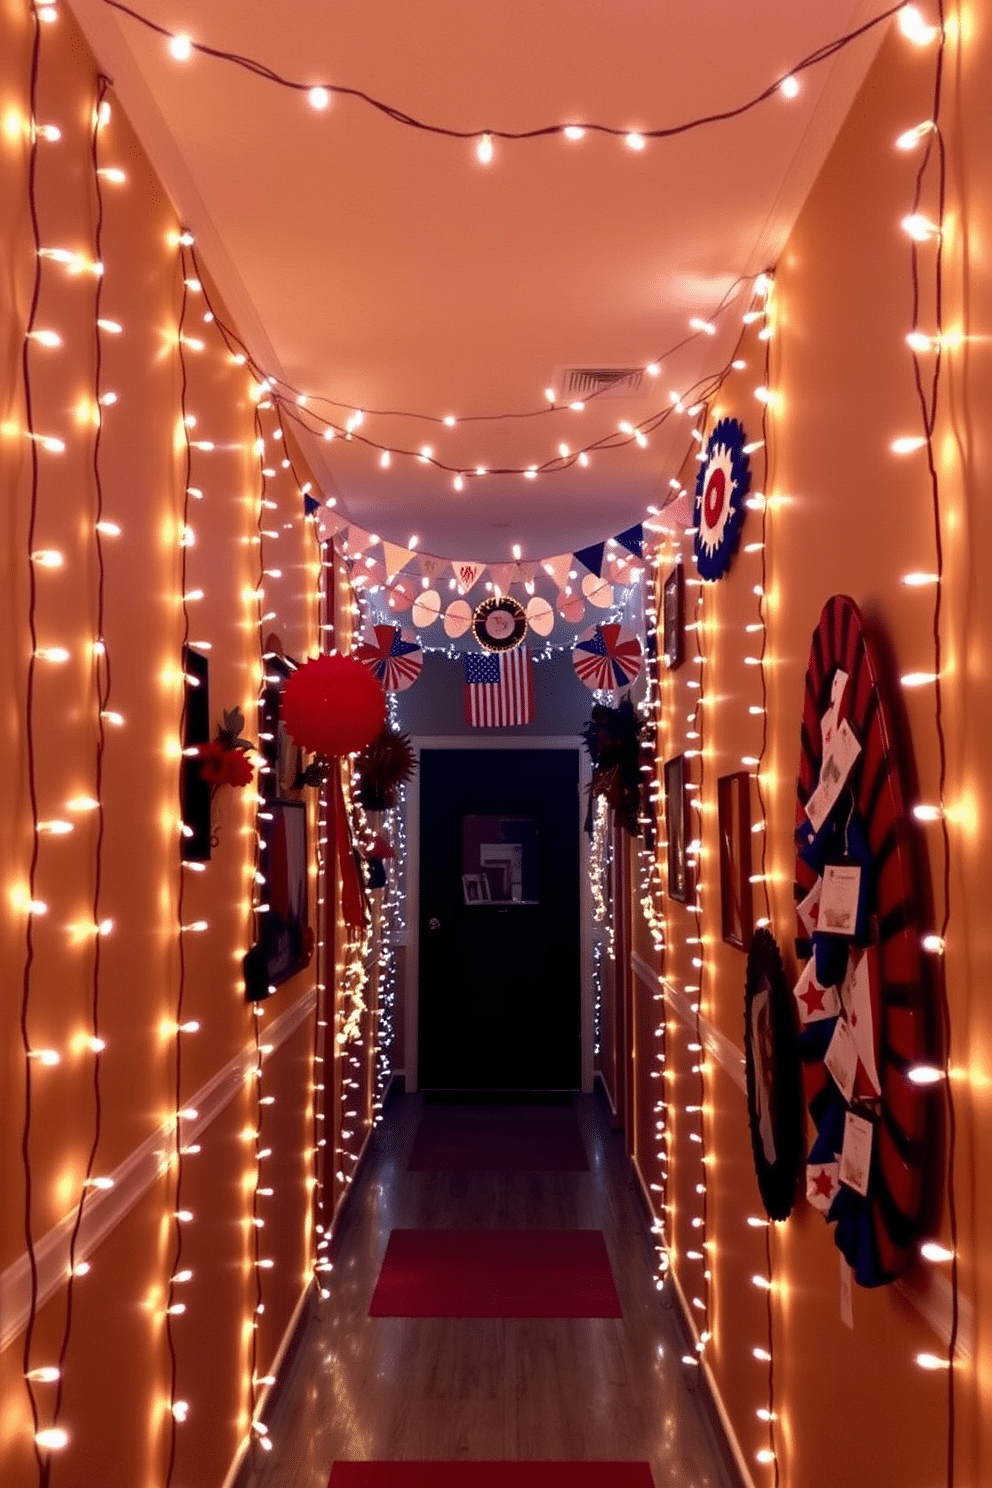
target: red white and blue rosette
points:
(395, 657)
(606, 657)
(723, 483)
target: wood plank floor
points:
(365, 1388)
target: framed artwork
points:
(194, 791)
(283, 930)
(733, 796)
(675, 824)
(282, 778)
(475, 887)
(673, 617)
(503, 853)
(284, 943)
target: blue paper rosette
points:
(723, 483)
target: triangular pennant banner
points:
(310, 505)
(558, 568)
(430, 567)
(329, 524)
(396, 558)
(592, 557)
(358, 541)
(632, 539)
(526, 573)
(466, 572)
(501, 575)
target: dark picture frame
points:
(676, 815)
(475, 888)
(284, 944)
(284, 927)
(733, 796)
(194, 792)
(673, 617)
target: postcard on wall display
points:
(833, 775)
(815, 1001)
(838, 913)
(841, 1058)
(855, 1155)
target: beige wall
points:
(118, 1368)
(847, 515)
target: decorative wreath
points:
(723, 482)
(861, 997)
(774, 1076)
(499, 623)
(613, 739)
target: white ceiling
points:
(386, 268)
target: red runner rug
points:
(495, 1273)
(498, 1139)
(491, 1475)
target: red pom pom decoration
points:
(333, 705)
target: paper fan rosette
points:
(723, 483)
(394, 657)
(606, 657)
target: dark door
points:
(499, 919)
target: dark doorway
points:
(499, 919)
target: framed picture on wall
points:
(475, 888)
(675, 825)
(284, 943)
(194, 791)
(283, 930)
(733, 794)
(673, 617)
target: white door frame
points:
(411, 1020)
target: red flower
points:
(239, 769)
(213, 762)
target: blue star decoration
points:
(723, 482)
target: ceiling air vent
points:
(599, 382)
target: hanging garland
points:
(320, 94)
(861, 997)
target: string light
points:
(181, 47)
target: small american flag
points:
(499, 688)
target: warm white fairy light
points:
(915, 28)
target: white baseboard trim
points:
(606, 1093)
(105, 1209)
(276, 1364)
(740, 1461)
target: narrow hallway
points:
(509, 1389)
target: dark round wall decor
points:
(774, 1077)
(499, 623)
